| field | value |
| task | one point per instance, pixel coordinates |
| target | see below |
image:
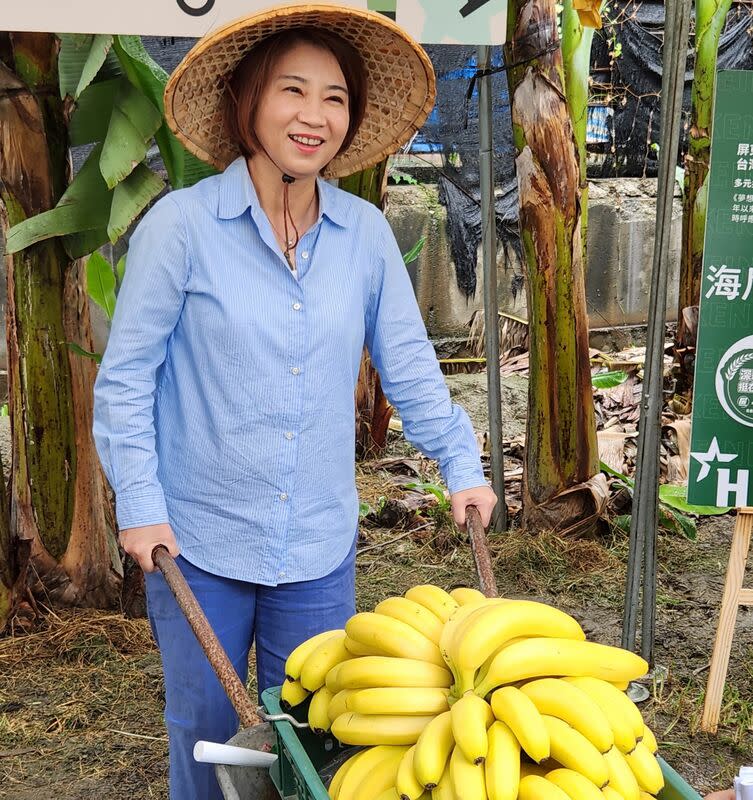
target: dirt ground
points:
(81, 698)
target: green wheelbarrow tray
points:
(301, 754)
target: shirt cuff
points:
(465, 473)
(136, 508)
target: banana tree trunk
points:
(59, 541)
(373, 412)
(561, 452)
(710, 16)
(576, 59)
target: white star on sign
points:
(713, 454)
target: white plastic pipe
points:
(214, 753)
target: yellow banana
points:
(646, 769)
(319, 720)
(623, 715)
(374, 729)
(517, 710)
(393, 637)
(537, 657)
(292, 694)
(330, 680)
(338, 704)
(502, 765)
(414, 614)
(500, 622)
(463, 595)
(381, 780)
(443, 790)
(572, 705)
(321, 660)
(468, 779)
(339, 776)
(376, 671)
(650, 740)
(357, 649)
(574, 751)
(574, 785)
(389, 794)
(406, 783)
(398, 700)
(621, 777)
(297, 658)
(534, 787)
(609, 793)
(434, 598)
(433, 748)
(646, 796)
(470, 717)
(457, 618)
(377, 768)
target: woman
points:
(224, 403)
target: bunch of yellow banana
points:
(455, 696)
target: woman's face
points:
(303, 115)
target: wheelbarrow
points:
(294, 775)
(301, 754)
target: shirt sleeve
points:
(411, 378)
(147, 310)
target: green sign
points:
(721, 457)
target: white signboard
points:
(429, 21)
(145, 17)
(454, 22)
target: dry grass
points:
(76, 698)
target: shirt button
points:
(296, 306)
(305, 254)
(295, 370)
(284, 496)
(281, 575)
(289, 435)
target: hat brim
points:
(401, 83)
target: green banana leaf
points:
(82, 56)
(84, 206)
(79, 351)
(91, 118)
(100, 281)
(133, 122)
(183, 169)
(120, 269)
(608, 380)
(677, 498)
(414, 252)
(89, 214)
(130, 197)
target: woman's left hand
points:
(480, 496)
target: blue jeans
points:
(276, 618)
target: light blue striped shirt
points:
(224, 402)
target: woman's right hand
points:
(140, 542)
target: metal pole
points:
(491, 309)
(644, 521)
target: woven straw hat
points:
(401, 83)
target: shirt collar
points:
(237, 193)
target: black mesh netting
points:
(626, 75)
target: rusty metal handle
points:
(206, 637)
(480, 549)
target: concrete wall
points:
(620, 241)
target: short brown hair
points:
(253, 73)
